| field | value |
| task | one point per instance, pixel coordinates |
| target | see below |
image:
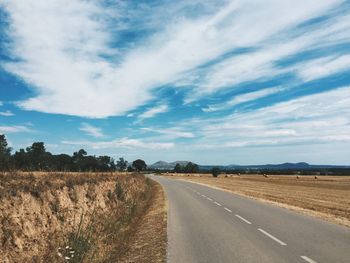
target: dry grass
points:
(45, 216)
(327, 197)
(149, 242)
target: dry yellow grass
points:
(150, 240)
(327, 197)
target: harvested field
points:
(72, 217)
(327, 197)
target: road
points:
(209, 225)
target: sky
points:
(213, 82)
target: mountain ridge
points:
(162, 165)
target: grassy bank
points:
(71, 217)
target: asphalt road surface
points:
(209, 225)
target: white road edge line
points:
(307, 259)
(228, 210)
(217, 203)
(209, 199)
(243, 219)
(272, 237)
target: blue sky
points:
(215, 82)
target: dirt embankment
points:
(326, 197)
(57, 217)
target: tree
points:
(122, 164)
(178, 168)
(37, 156)
(79, 160)
(5, 153)
(139, 165)
(62, 162)
(105, 163)
(130, 169)
(191, 168)
(20, 160)
(215, 171)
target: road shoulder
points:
(150, 240)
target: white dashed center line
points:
(272, 237)
(308, 259)
(243, 219)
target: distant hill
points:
(161, 165)
(283, 166)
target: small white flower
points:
(59, 254)
(68, 258)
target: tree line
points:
(37, 158)
(188, 168)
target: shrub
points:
(215, 171)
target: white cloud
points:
(322, 118)
(91, 130)
(6, 113)
(123, 143)
(323, 67)
(1, 103)
(61, 51)
(251, 96)
(14, 129)
(260, 64)
(154, 111)
(174, 133)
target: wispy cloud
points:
(242, 98)
(319, 118)
(323, 67)
(154, 111)
(69, 61)
(91, 130)
(6, 113)
(14, 129)
(122, 143)
(174, 133)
